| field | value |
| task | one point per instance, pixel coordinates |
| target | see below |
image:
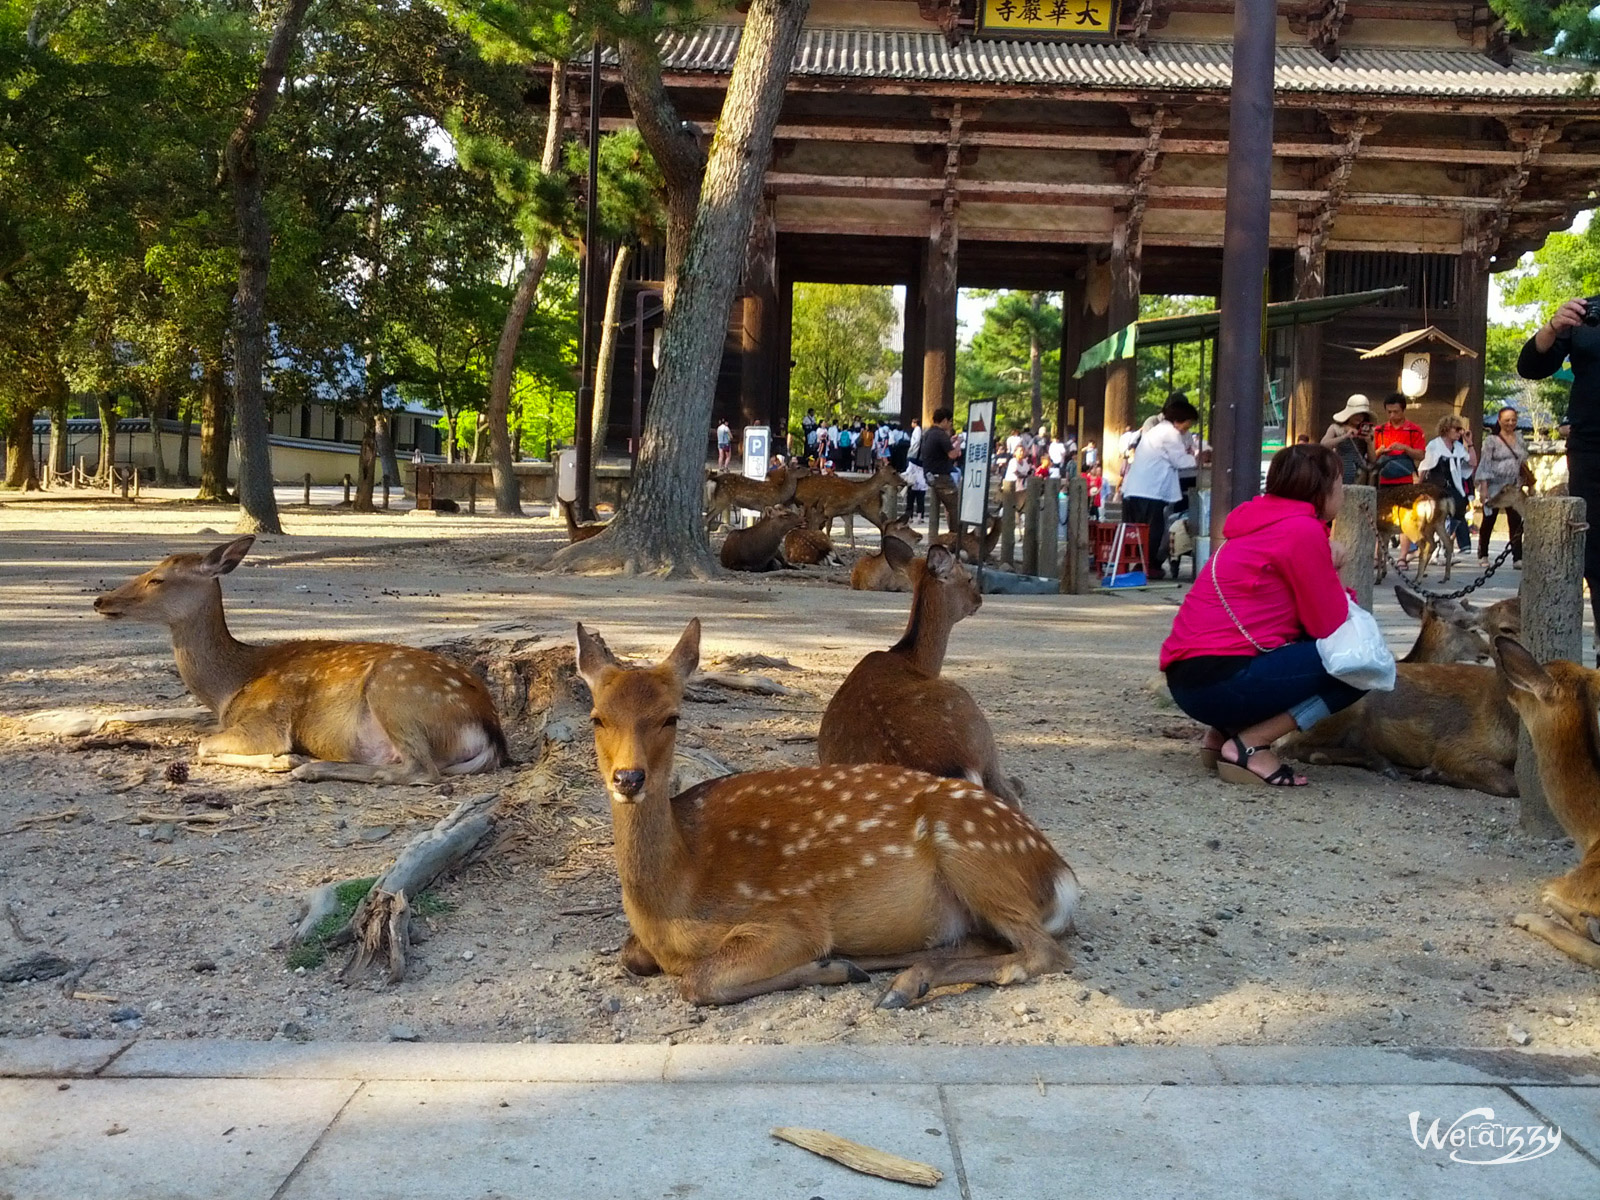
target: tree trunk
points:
(158, 413)
(186, 418)
(21, 473)
(107, 404)
(449, 434)
(660, 527)
(258, 507)
(367, 460)
(603, 364)
(507, 492)
(60, 461)
(216, 434)
(383, 430)
(674, 143)
(1036, 365)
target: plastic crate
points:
(1135, 556)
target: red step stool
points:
(1135, 554)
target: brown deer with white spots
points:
(364, 712)
(781, 879)
(733, 489)
(894, 707)
(1557, 702)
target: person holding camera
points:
(1573, 333)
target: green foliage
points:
(1569, 27)
(313, 952)
(1544, 399)
(1567, 265)
(998, 362)
(1163, 370)
(840, 349)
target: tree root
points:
(380, 927)
(615, 552)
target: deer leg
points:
(996, 781)
(761, 959)
(1570, 943)
(1470, 772)
(260, 747)
(321, 770)
(1037, 953)
(636, 960)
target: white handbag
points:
(1355, 653)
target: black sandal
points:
(1239, 772)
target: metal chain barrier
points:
(1416, 586)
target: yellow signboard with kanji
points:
(1065, 20)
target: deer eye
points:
(670, 722)
(598, 722)
(155, 582)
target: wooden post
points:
(1030, 527)
(1075, 574)
(939, 314)
(933, 512)
(347, 487)
(1049, 525)
(308, 489)
(1552, 622)
(472, 493)
(1008, 524)
(1356, 529)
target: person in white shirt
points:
(1151, 482)
(914, 450)
(1057, 453)
(1451, 451)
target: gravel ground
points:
(1359, 910)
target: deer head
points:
(1450, 632)
(177, 589)
(635, 713)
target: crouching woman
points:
(1242, 657)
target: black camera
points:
(1591, 313)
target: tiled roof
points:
(1176, 66)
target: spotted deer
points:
(1557, 702)
(808, 546)
(895, 707)
(731, 490)
(757, 883)
(364, 712)
(1421, 512)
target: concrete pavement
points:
(290, 1121)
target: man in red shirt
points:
(1398, 443)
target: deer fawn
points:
(1557, 704)
(365, 712)
(757, 883)
(809, 546)
(894, 707)
(1449, 722)
(1420, 511)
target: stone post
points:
(1552, 622)
(1356, 529)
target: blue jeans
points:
(1290, 680)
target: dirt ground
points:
(1359, 910)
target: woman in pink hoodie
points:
(1242, 657)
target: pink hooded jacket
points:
(1276, 571)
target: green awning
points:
(1193, 327)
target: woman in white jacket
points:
(1152, 480)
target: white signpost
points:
(757, 443)
(975, 464)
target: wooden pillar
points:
(1356, 529)
(1096, 328)
(782, 359)
(1472, 316)
(1122, 376)
(1073, 306)
(758, 328)
(911, 355)
(1310, 283)
(939, 312)
(1551, 591)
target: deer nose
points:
(627, 782)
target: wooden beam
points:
(1326, 26)
(1531, 138)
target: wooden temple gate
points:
(1412, 146)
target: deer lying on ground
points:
(1421, 512)
(1446, 721)
(971, 551)
(757, 883)
(1557, 704)
(364, 712)
(895, 708)
(760, 547)
(732, 490)
(888, 570)
(580, 532)
(808, 546)
(825, 497)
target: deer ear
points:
(940, 561)
(685, 656)
(1410, 603)
(227, 556)
(1521, 669)
(593, 656)
(897, 552)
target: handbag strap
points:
(1228, 608)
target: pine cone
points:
(178, 772)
